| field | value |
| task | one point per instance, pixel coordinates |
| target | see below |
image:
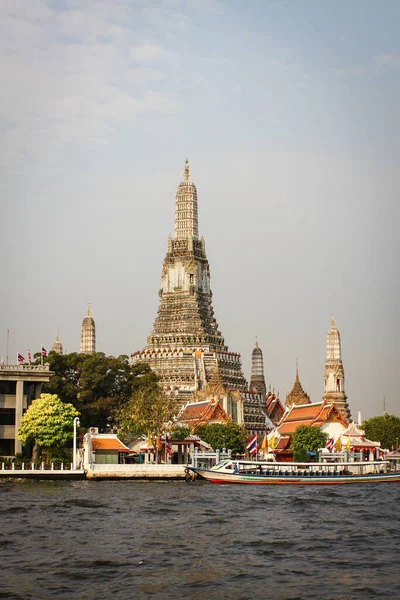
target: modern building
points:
(88, 334)
(257, 379)
(19, 385)
(297, 396)
(334, 373)
(185, 345)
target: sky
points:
(288, 113)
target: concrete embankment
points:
(40, 474)
(97, 472)
(136, 471)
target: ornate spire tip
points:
(186, 171)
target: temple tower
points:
(257, 379)
(185, 346)
(88, 334)
(297, 395)
(334, 373)
(57, 346)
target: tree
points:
(230, 436)
(149, 412)
(48, 422)
(384, 429)
(307, 438)
(96, 384)
(180, 433)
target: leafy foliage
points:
(180, 433)
(96, 384)
(307, 437)
(384, 429)
(48, 422)
(149, 412)
(230, 436)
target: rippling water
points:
(198, 541)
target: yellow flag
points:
(272, 442)
(264, 443)
(348, 444)
(338, 444)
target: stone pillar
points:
(19, 403)
(38, 390)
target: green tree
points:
(384, 429)
(149, 412)
(47, 422)
(230, 436)
(307, 438)
(96, 384)
(180, 433)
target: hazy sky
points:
(288, 112)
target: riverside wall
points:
(100, 471)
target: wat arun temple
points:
(186, 348)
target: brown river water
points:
(129, 540)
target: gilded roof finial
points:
(333, 321)
(256, 342)
(297, 368)
(88, 310)
(57, 337)
(186, 171)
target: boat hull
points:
(247, 479)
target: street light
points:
(76, 424)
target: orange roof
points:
(309, 414)
(108, 444)
(283, 443)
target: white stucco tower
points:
(88, 334)
(334, 373)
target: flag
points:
(20, 358)
(338, 444)
(348, 444)
(264, 444)
(159, 444)
(272, 442)
(329, 444)
(44, 351)
(252, 445)
(167, 444)
(29, 356)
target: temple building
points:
(57, 346)
(185, 347)
(297, 396)
(88, 334)
(275, 409)
(257, 379)
(334, 373)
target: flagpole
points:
(8, 339)
(41, 355)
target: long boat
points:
(283, 473)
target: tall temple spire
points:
(88, 334)
(185, 347)
(334, 373)
(186, 218)
(257, 379)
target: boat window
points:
(222, 463)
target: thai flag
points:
(329, 444)
(252, 445)
(29, 356)
(44, 351)
(168, 447)
(20, 358)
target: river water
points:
(169, 540)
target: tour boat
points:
(270, 473)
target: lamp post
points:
(76, 424)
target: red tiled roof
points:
(283, 443)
